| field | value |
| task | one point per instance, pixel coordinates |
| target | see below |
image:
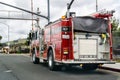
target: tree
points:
(0, 38)
(115, 31)
(27, 43)
(115, 27)
(115, 24)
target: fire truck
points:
(74, 40)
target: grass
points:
(117, 60)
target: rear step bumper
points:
(87, 62)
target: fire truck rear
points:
(71, 40)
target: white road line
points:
(8, 71)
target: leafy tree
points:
(118, 29)
(115, 24)
(0, 44)
(115, 27)
(0, 37)
(115, 31)
(27, 42)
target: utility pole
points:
(96, 5)
(38, 19)
(32, 11)
(8, 35)
(48, 5)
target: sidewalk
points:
(112, 67)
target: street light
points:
(8, 35)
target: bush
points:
(26, 50)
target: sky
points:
(20, 28)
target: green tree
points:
(118, 29)
(27, 43)
(0, 37)
(115, 24)
(115, 27)
(115, 31)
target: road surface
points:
(19, 67)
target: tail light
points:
(65, 51)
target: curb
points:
(108, 68)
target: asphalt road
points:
(19, 67)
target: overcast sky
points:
(20, 29)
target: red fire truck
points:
(72, 40)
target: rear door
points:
(85, 47)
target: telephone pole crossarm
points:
(24, 10)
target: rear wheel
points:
(51, 63)
(90, 66)
(35, 60)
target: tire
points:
(35, 60)
(51, 63)
(90, 67)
